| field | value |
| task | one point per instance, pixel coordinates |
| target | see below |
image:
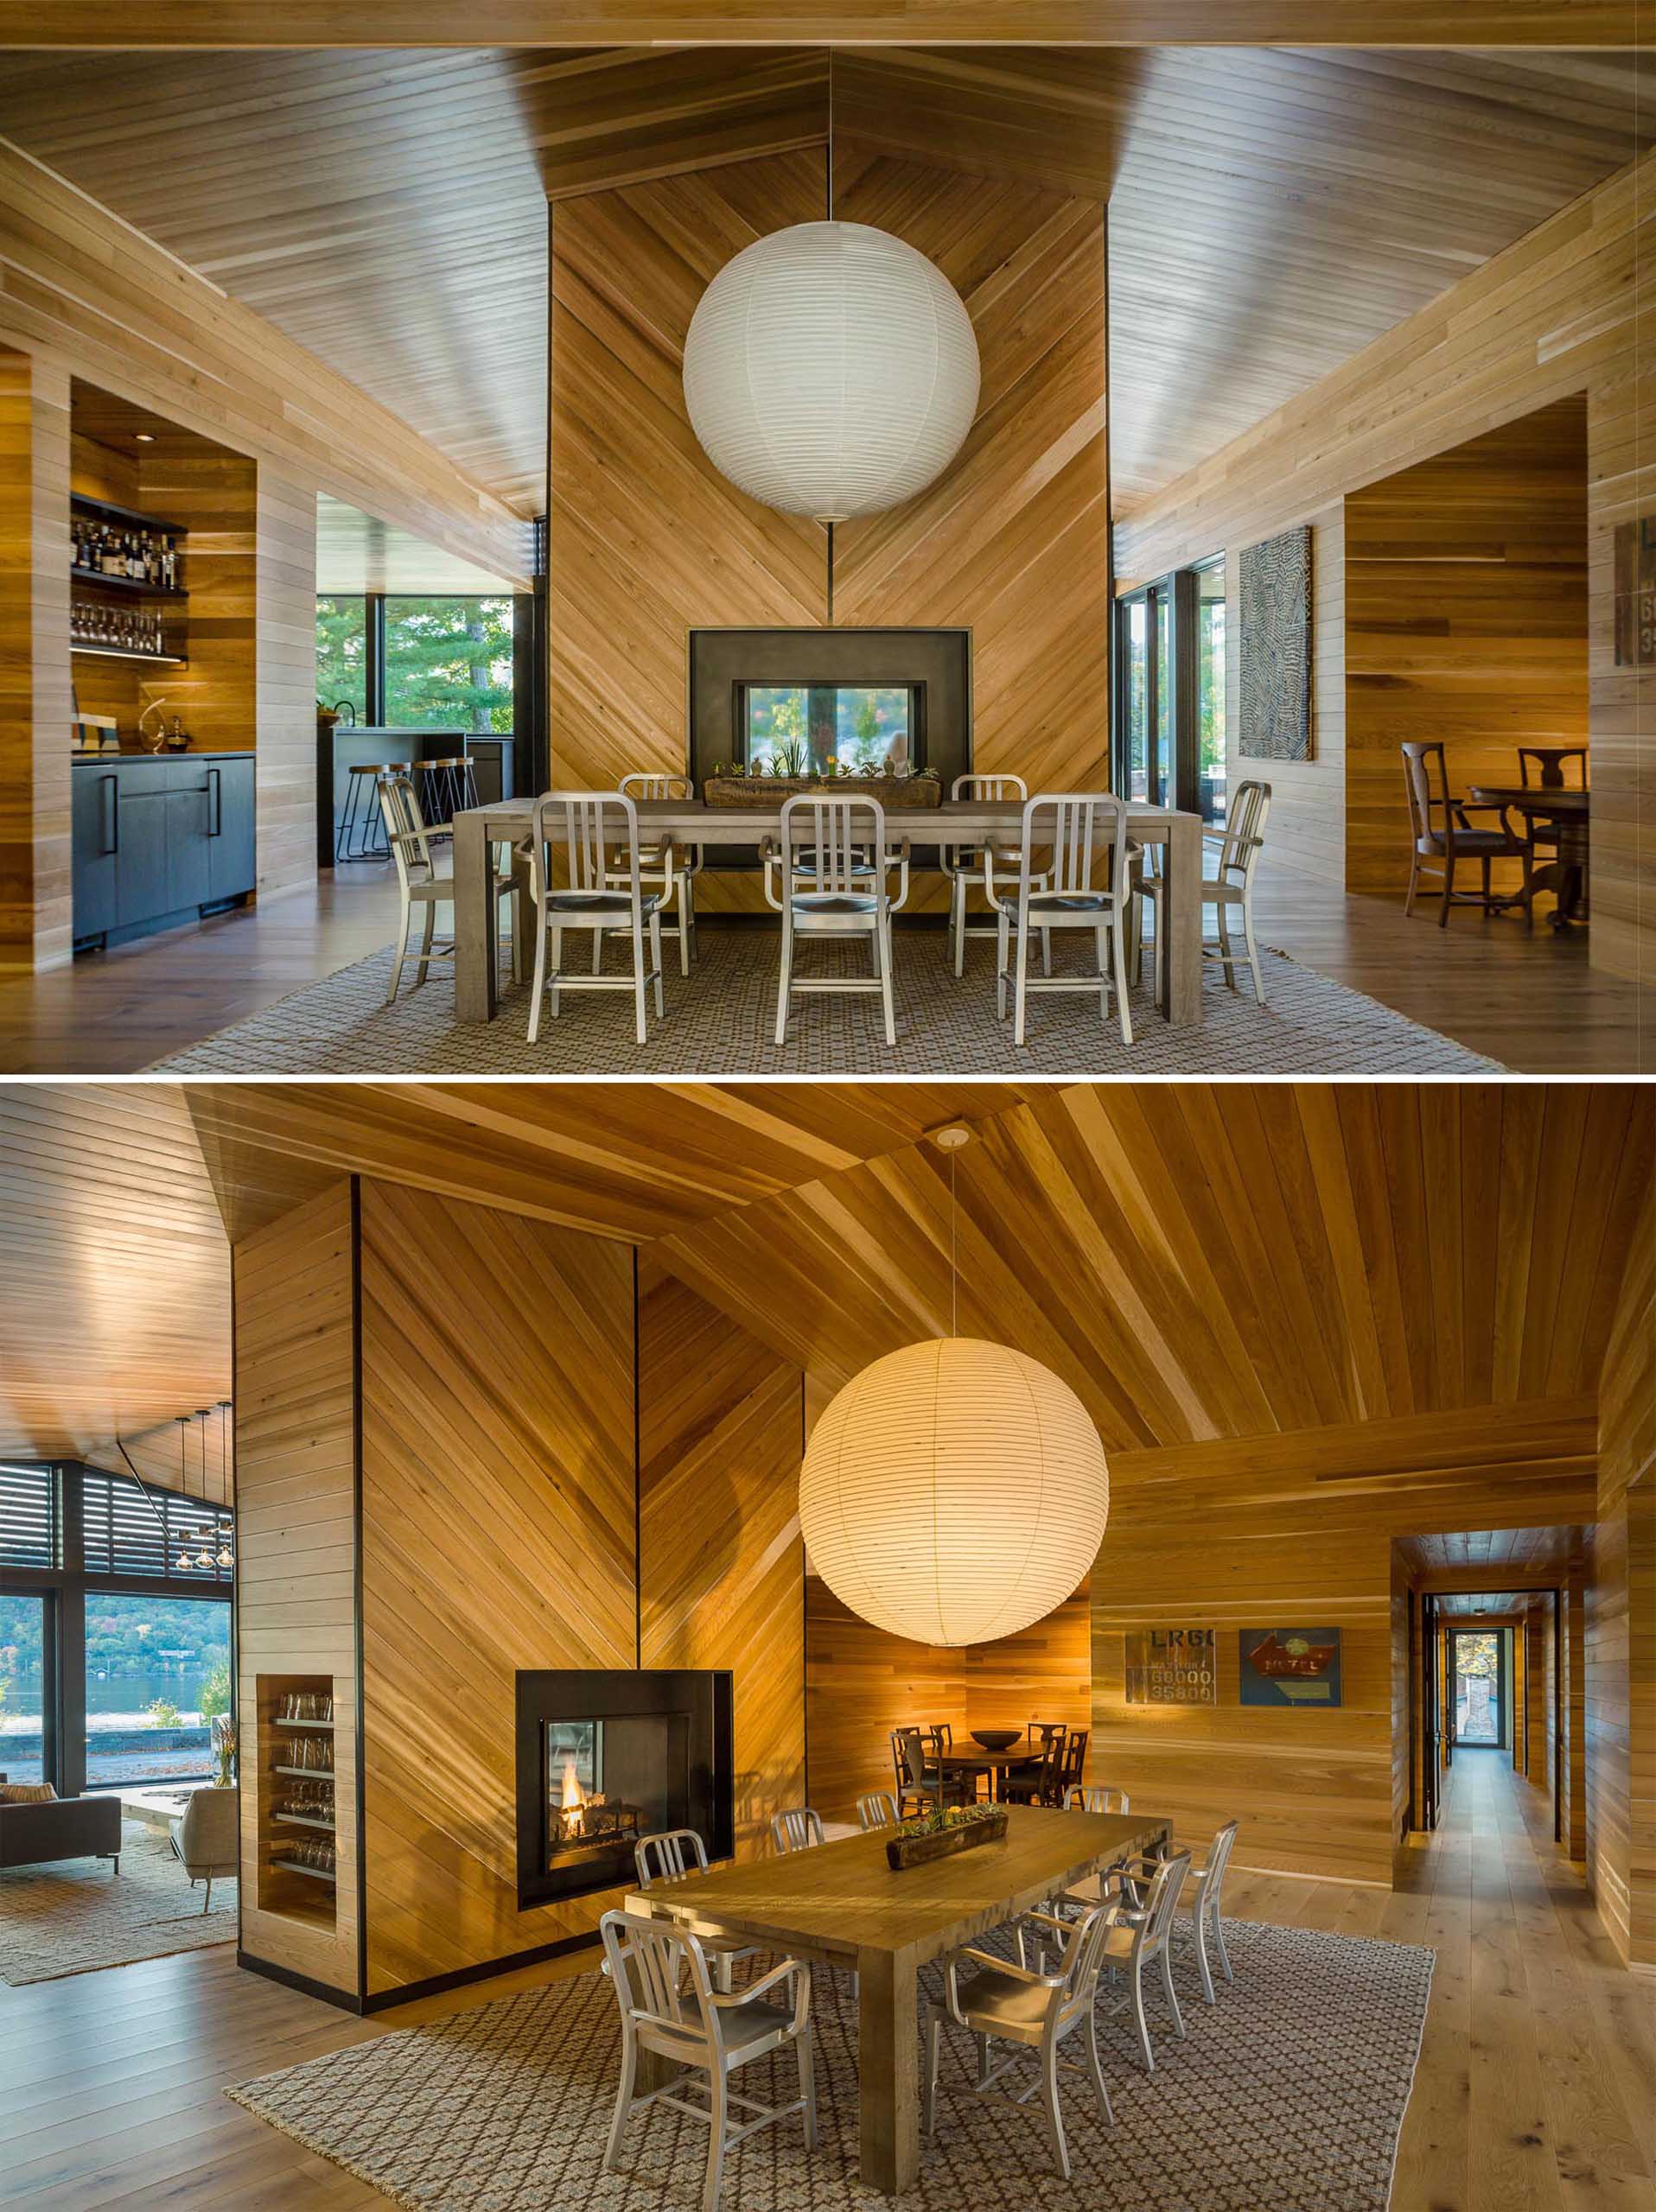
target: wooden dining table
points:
(478, 829)
(841, 1906)
(1566, 812)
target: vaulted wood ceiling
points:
(1201, 1261)
(1209, 1262)
(114, 1268)
(1272, 210)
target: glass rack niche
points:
(298, 1870)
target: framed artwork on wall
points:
(1289, 1666)
(1173, 1666)
(1274, 648)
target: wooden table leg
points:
(1182, 917)
(523, 918)
(888, 2067)
(474, 922)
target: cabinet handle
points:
(214, 789)
(114, 783)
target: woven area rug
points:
(1286, 2096)
(75, 1915)
(721, 1021)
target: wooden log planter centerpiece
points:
(896, 793)
(939, 1835)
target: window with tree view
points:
(801, 729)
(449, 664)
(342, 654)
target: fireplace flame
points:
(572, 1800)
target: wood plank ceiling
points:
(1202, 1261)
(1206, 1262)
(1272, 210)
(114, 1269)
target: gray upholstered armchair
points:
(205, 1836)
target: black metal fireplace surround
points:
(607, 1756)
(934, 666)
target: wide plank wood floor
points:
(1536, 2089)
(1532, 1003)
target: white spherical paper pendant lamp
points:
(830, 370)
(953, 1492)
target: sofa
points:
(65, 1827)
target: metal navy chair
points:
(669, 2008)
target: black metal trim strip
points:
(384, 1999)
(302, 1982)
(356, 1572)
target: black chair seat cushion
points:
(601, 902)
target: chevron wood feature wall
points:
(648, 541)
(296, 1552)
(1013, 539)
(498, 1534)
(721, 1562)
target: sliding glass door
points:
(157, 1676)
(1145, 745)
(1170, 644)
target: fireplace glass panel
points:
(805, 729)
(610, 1782)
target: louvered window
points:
(133, 1531)
(28, 1517)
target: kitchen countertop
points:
(209, 753)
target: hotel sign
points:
(1173, 1666)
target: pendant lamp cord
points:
(955, 1256)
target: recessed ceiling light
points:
(144, 437)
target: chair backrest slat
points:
(1426, 778)
(669, 1856)
(827, 842)
(594, 832)
(797, 1828)
(643, 785)
(1085, 833)
(405, 827)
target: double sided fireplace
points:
(606, 1756)
(814, 701)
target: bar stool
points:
(447, 787)
(362, 831)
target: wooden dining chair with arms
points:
(914, 1793)
(1042, 1782)
(1550, 767)
(1442, 837)
(1029, 2010)
(669, 2008)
